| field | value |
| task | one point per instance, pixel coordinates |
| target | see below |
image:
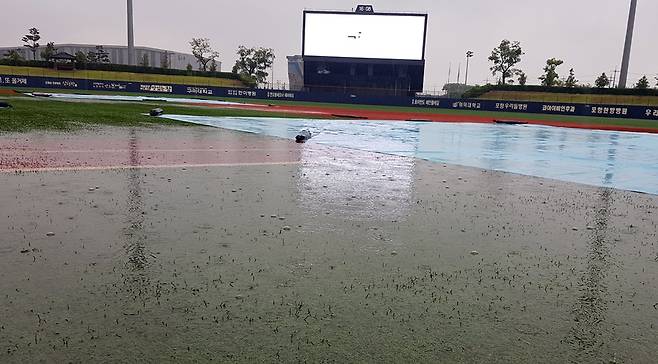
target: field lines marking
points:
(164, 166)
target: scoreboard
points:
(364, 35)
(364, 53)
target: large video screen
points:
(352, 35)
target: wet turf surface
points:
(339, 255)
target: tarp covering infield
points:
(607, 111)
(614, 159)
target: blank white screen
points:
(364, 36)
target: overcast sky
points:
(587, 34)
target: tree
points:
(550, 77)
(253, 62)
(49, 52)
(203, 52)
(603, 81)
(92, 57)
(31, 41)
(80, 58)
(504, 58)
(213, 66)
(101, 55)
(571, 81)
(189, 68)
(13, 56)
(98, 56)
(523, 78)
(145, 61)
(164, 61)
(642, 84)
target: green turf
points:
(40, 113)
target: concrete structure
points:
(131, 34)
(623, 78)
(296, 72)
(120, 54)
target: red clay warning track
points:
(347, 113)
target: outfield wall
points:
(608, 111)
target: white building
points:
(119, 54)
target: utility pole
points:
(131, 35)
(469, 54)
(623, 78)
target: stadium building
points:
(118, 54)
(361, 53)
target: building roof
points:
(63, 55)
(107, 46)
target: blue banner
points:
(607, 111)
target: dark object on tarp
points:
(4, 105)
(357, 117)
(156, 112)
(303, 136)
(511, 122)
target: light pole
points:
(131, 35)
(623, 78)
(469, 54)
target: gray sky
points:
(587, 34)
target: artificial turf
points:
(28, 114)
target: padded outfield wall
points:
(608, 111)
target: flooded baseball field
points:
(204, 244)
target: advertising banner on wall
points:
(607, 111)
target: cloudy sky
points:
(587, 34)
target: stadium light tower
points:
(131, 35)
(623, 78)
(469, 54)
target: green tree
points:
(13, 56)
(550, 77)
(253, 63)
(189, 68)
(92, 57)
(80, 58)
(522, 77)
(145, 61)
(603, 81)
(203, 52)
(31, 41)
(164, 61)
(49, 52)
(571, 81)
(642, 84)
(101, 55)
(504, 58)
(213, 66)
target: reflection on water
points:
(588, 334)
(134, 232)
(573, 155)
(355, 185)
